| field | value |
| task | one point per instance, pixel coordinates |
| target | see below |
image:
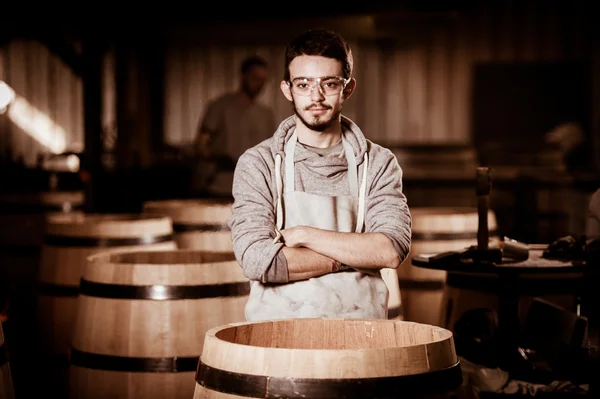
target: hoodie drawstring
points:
(362, 195)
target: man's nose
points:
(316, 93)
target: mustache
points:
(324, 106)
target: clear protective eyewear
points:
(328, 85)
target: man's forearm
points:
(304, 263)
(361, 250)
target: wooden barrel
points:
(435, 230)
(69, 240)
(199, 224)
(23, 217)
(142, 318)
(6, 385)
(327, 358)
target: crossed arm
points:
(312, 252)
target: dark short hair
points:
(321, 42)
(251, 61)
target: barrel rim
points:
(175, 203)
(212, 334)
(82, 219)
(109, 257)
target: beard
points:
(317, 123)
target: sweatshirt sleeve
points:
(387, 209)
(252, 221)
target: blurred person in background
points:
(318, 208)
(231, 124)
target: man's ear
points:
(349, 89)
(285, 88)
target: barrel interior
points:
(333, 334)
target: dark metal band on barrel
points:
(162, 292)
(67, 241)
(257, 386)
(3, 354)
(133, 364)
(463, 235)
(184, 228)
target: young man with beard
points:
(318, 209)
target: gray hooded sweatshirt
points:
(252, 222)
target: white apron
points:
(345, 294)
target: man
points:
(318, 209)
(231, 124)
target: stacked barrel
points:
(129, 298)
(126, 305)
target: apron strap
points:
(290, 150)
(352, 173)
(279, 214)
(362, 198)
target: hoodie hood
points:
(326, 166)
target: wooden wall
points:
(51, 102)
(414, 85)
(48, 88)
(414, 76)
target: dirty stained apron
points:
(346, 294)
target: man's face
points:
(254, 80)
(316, 109)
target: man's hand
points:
(294, 237)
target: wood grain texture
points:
(199, 224)
(146, 328)
(62, 265)
(325, 349)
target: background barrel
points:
(435, 230)
(327, 358)
(142, 319)
(6, 384)
(23, 217)
(68, 241)
(198, 223)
